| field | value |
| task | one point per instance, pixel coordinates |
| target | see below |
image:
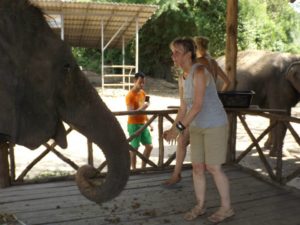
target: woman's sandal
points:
(221, 215)
(194, 213)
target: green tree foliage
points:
(268, 24)
(88, 58)
(180, 18)
(210, 17)
(155, 37)
(263, 24)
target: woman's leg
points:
(222, 184)
(199, 187)
(199, 182)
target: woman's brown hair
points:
(187, 43)
(201, 42)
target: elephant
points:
(275, 79)
(42, 87)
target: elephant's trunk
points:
(90, 116)
(116, 153)
(116, 150)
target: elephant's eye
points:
(67, 68)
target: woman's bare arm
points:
(221, 73)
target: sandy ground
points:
(163, 94)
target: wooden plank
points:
(127, 210)
(154, 190)
(146, 201)
(122, 207)
(134, 182)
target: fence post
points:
(4, 166)
(161, 141)
(90, 153)
(231, 145)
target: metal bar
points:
(115, 34)
(105, 16)
(136, 45)
(102, 56)
(62, 29)
(123, 61)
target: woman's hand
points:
(171, 135)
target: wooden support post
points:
(231, 144)
(230, 67)
(90, 153)
(231, 41)
(4, 165)
(12, 162)
(161, 141)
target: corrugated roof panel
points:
(82, 20)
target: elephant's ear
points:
(28, 116)
(7, 106)
(293, 75)
(37, 119)
(60, 135)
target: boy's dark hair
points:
(139, 74)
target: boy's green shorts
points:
(144, 138)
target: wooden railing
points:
(275, 172)
(7, 170)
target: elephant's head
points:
(42, 86)
(293, 75)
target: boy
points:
(135, 101)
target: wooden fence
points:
(7, 156)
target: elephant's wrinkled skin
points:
(275, 78)
(41, 86)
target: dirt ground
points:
(162, 94)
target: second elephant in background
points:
(275, 79)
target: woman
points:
(203, 57)
(216, 70)
(203, 113)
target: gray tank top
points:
(212, 113)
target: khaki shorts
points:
(209, 145)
